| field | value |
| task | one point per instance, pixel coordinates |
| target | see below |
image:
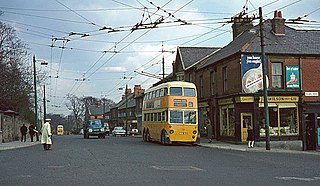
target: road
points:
(130, 161)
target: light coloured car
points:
(118, 131)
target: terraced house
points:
(229, 84)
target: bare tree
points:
(16, 77)
(77, 106)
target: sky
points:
(97, 47)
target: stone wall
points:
(10, 128)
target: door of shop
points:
(246, 121)
(310, 131)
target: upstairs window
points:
(277, 75)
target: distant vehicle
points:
(118, 131)
(94, 127)
(60, 130)
(134, 131)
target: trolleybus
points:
(170, 113)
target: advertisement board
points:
(251, 73)
(292, 77)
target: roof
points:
(191, 55)
(294, 42)
(95, 110)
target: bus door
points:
(246, 121)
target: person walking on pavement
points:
(46, 135)
(31, 132)
(23, 131)
(250, 137)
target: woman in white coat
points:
(46, 135)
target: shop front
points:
(238, 113)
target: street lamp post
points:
(44, 103)
(35, 91)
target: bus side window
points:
(161, 92)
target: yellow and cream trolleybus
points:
(170, 113)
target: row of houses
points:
(229, 85)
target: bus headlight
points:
(90, 130)
(171, 131)
(194, 132)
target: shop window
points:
(227, 121)
(277, 76)
(282, 122)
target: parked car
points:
(107, 129)
(118, 131)
(133, 131)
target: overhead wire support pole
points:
(35, 93)
(162, 61)
(265, 73)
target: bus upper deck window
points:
(191, 92)
(176, 91)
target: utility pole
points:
(35, 94)
(44, 103)
(162, 62)
(126, 95)
(265, 73)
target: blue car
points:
(94, 127)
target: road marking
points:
(177, 168)
(297, 178)
(55, 166)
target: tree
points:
(77, 106)
(16, 77)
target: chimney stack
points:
(278, 27)
(241, 24)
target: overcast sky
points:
(93, 48)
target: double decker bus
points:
(170, 113)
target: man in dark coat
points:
(31, 132)
(23, 131)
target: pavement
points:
(204, 143)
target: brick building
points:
(230, 85)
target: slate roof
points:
(191, 55)
(294, 42)
(95, 110)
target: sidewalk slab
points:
(17, 144)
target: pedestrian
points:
(46, 135)
(250, 137)
(31, 131)
(23, 131)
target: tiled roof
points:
(294, 42)
(191, 55)
(95, 110)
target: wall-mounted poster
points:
(251, 72)
(292, 77)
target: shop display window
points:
(227, 121)
(282, 122)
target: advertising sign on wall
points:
(251, 73)
(292, 77)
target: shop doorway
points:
(246, 121)
(310, 131)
